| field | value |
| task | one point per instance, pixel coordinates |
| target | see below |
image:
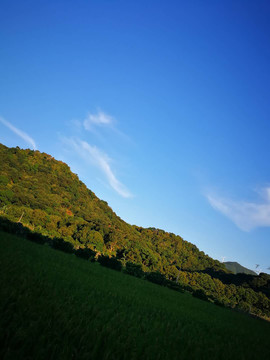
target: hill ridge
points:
(237, 268)
(49, 199)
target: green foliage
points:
(134, 270)
(3, 180)
(174, 286)
(111, 263)
(86, 254)
(95, 240)
(60, 244)
(6, 196)
(156, 278)
(200, 294)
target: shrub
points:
(156, 277)
(37, 238)
(60, 244)
(86, 254)
(200, 294)
(174, 286)
(244, 306)
(134, 269)
(111, 263)
(219, 303)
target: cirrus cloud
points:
(99, 119)
(96, 157)
(246, 215)
(19, 132)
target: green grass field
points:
(56, 306)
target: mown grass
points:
(56, 306)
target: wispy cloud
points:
(101, 125)
(20, 133)
(245, 214)
(95, 156)
(98, 119)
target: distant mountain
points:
(237, 268)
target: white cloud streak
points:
(98, 119)
(246, 215)
(20, 133)
(101, 160)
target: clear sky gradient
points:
(161, 107)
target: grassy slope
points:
(56, 306)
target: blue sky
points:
(161, 108)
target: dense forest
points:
(44, 196)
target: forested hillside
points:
(45, 196)
(50, 199)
